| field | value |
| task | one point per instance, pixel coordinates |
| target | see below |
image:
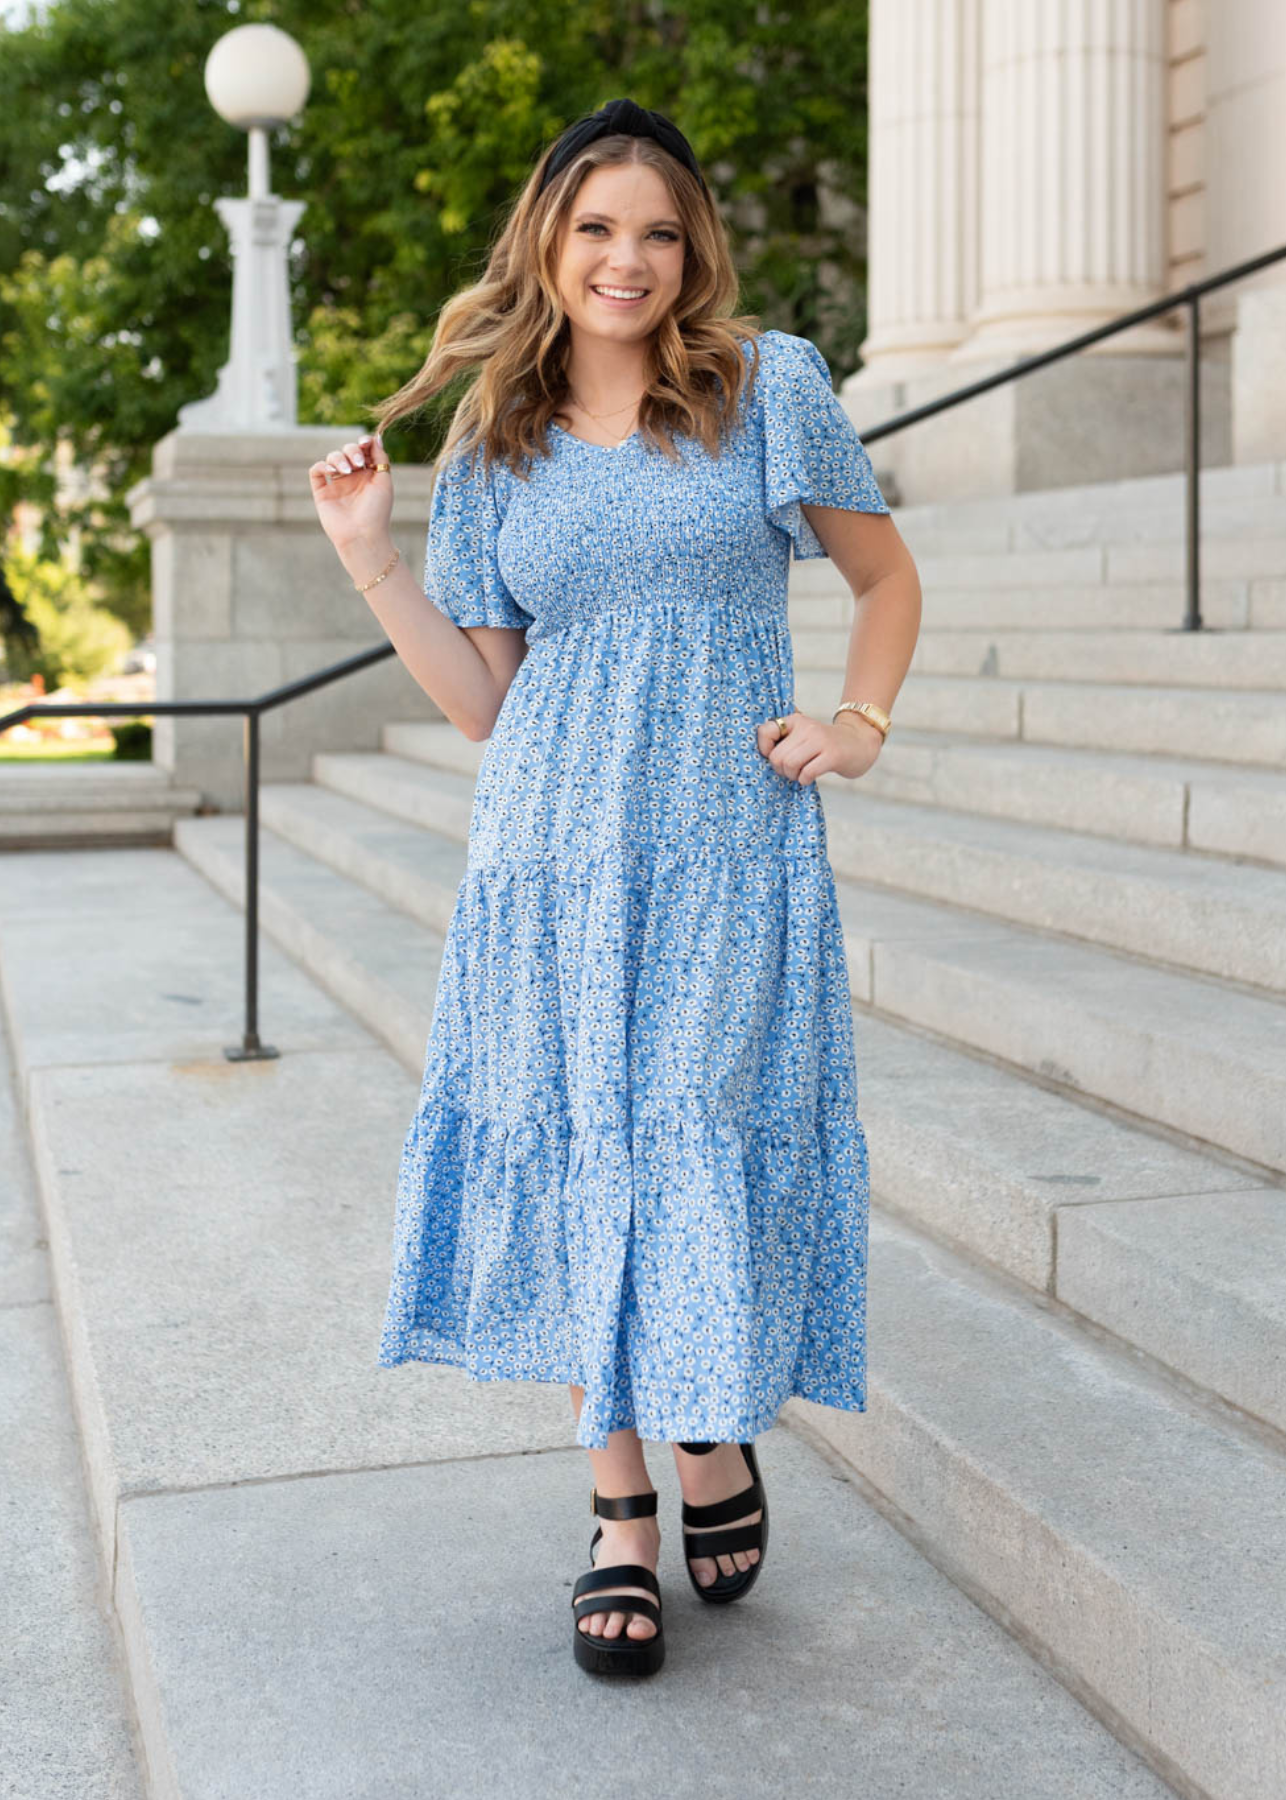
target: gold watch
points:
(869, 710)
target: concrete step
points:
(1134, 509)
(396, 784)
(1206, 660)
(1177, 802)
(989, 1411)
(67, 1733)
(1174, 1250)
(971, 1151)
(1066, 521)
(375, 959)
(1167, 906)
(1094, 563)
(283, 1518)
(1240, 726)
(1228, 604)
(51, 805)
(1134, 1036)
(1134, 1536)
(1170, 802)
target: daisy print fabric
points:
(637, 1163)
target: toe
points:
(725, 1563)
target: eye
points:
(661, 231)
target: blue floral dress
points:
(637, 1163)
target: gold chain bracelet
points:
(868, 710)
(363, 585)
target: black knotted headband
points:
(620, 116)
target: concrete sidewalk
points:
(337, 1580)
(65, 1715)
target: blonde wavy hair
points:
(512, 326)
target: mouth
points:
(622, 298)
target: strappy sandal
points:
(739, 1537)
(621, 1655)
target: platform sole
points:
(633, 1658)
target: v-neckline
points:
(589, 445)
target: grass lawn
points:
(53, 753)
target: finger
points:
(339, 463)
(355, 455)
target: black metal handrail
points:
(1188, 297)
(250, 1048)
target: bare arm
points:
(868, 550)
(465, 670)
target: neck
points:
(605, 376)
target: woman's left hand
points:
(811, 748)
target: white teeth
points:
(622, 293)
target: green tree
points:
(77, 639)
(115, 279)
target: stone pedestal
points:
(248, 593)
(1087, 418)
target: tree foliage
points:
(115, 277)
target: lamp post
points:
(256, 77)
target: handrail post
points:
(250, 1049)
(1192, 435)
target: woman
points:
(637, 1164)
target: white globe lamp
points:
(256, 77)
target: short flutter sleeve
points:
(461, 571)
(811, 448)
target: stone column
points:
(1073, 173)
(1246, 211)
(248, 594)
(923, 183)
(1059, 190)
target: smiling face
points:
(623, 232)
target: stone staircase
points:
(1063, 886)
(48, 806)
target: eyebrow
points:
(609, 220)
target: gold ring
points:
(782, 728)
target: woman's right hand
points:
(353, 502)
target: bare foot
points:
(624, 1541)
(716, 1475)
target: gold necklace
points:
(598, 417)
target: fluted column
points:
(1073, 174)
(923, 182)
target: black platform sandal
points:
(738, 1537)
(621, 1655)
